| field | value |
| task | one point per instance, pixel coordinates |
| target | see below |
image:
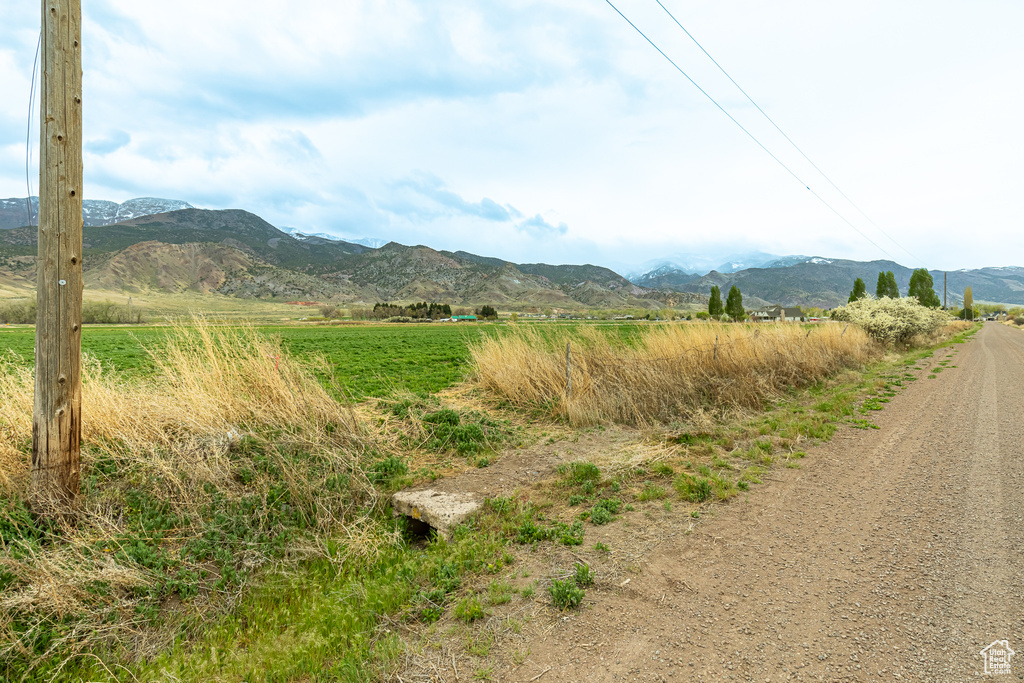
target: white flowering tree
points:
(891, 321)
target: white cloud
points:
(551, 130)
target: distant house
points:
(463, 317)
(777, 314)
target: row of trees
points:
(417, 311)
(93, 313)
(733, 303)
(922, 287)
(383, 311)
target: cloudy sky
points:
(552, 131)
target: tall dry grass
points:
(188, 438)
(213, 385)
(667, 372)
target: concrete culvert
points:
(435, 509)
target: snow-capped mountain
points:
(14, 213)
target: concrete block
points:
(440, 510)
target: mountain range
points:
(15, 213)
(825, 282)
(236, 253)
(169, 246)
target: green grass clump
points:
(388, 472)
(499, 592)
(579, 473)
(694, 489)
(663, 469)
(651, 492)
(469, 609)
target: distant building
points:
(463, 317)
(777, 314)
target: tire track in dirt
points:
(894, 554)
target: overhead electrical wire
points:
(788, 139)
(749, 134)
(28, 130)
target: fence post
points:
(568, 369)
(844, 330)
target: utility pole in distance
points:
(57, 409)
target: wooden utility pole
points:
(57, 411)
(945, 280)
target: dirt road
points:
(894, 554)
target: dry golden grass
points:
(667, 372)
(186, 437)
(947, 331)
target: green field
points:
(366, 360)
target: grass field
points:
(234, 522)
(366, 360)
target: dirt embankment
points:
(893, 554)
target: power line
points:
(749, 134)
(28, 131)
(788, 139)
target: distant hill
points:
(666, 277)
(236, 253)
(824, 282)
(695, 264)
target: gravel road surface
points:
(893, 554)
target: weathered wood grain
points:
(56, 426)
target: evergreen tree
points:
(860, 290)
(487, 312)
(715, 302)
(887, 286)
(734, 304)
(894, 289)
(922, 287)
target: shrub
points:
(19, 313)
(891, 321)
(93, 312)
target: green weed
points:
(469, 609)
(566, 594)
(584, 576)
